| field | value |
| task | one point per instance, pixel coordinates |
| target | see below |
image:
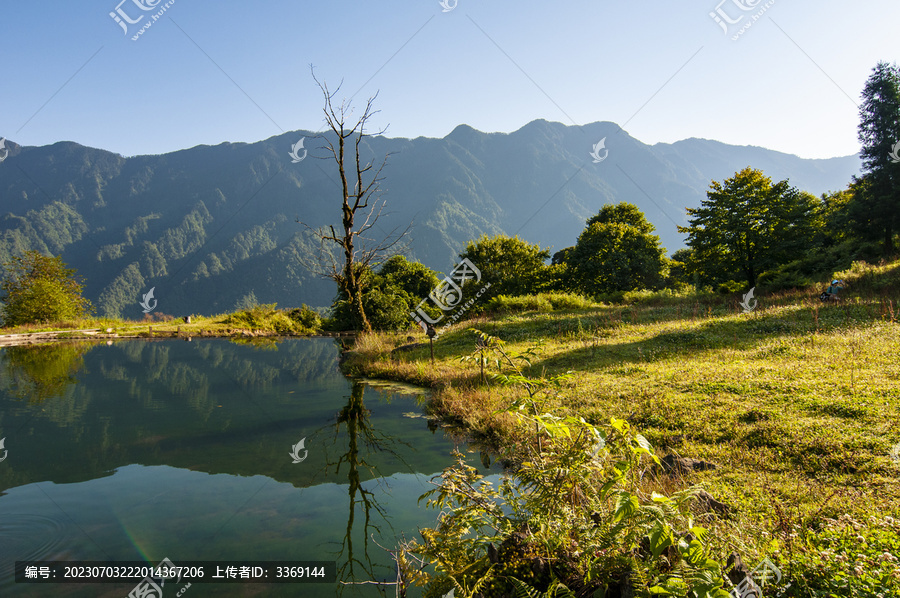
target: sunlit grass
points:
(796, 403)
(258, 321)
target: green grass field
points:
(796, 403)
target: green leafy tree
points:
(39, 288)
(413, 278)
(390, 295)
(747, 225)
(512, 266)
(832, 217)
(679, 275)
(877, 206)
(617, 252)
(622, 213)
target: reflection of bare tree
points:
(363, 441)
(39, 372)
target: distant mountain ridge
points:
(208, 225)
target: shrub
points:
(269, 319)
(389, 295)
(731, 286)
(651, 298)
(386, 308)
(614, 297)
(657, 298)
(543, 302)
(818, 265)
(563, 301)
(306, 318)
(507, 304)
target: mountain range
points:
(210, 227)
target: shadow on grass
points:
(711, 331)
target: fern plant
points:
(556, 590)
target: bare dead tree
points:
(361, 205)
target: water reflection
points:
(354, 417)
(37, 373)
(181, 450)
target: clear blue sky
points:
(209, 72)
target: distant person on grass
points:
(831, 293)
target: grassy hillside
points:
(797, 404)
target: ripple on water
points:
(28, 537)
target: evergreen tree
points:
(876, 209)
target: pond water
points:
(140, 451)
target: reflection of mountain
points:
(204, 405)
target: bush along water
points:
(578, 517)
(269, 319)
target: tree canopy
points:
(39, 288)
(616, 252)
(747, 225)
(512, 266)
(388, 295)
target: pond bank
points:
(49, 336)
(456, 398)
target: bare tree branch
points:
(361, 205)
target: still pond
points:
(142, 451)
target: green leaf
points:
(695, 554)
(559, 591)
(626, 506)
(523, 590)
(660, 539)
(699, 532)
(619, 424)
